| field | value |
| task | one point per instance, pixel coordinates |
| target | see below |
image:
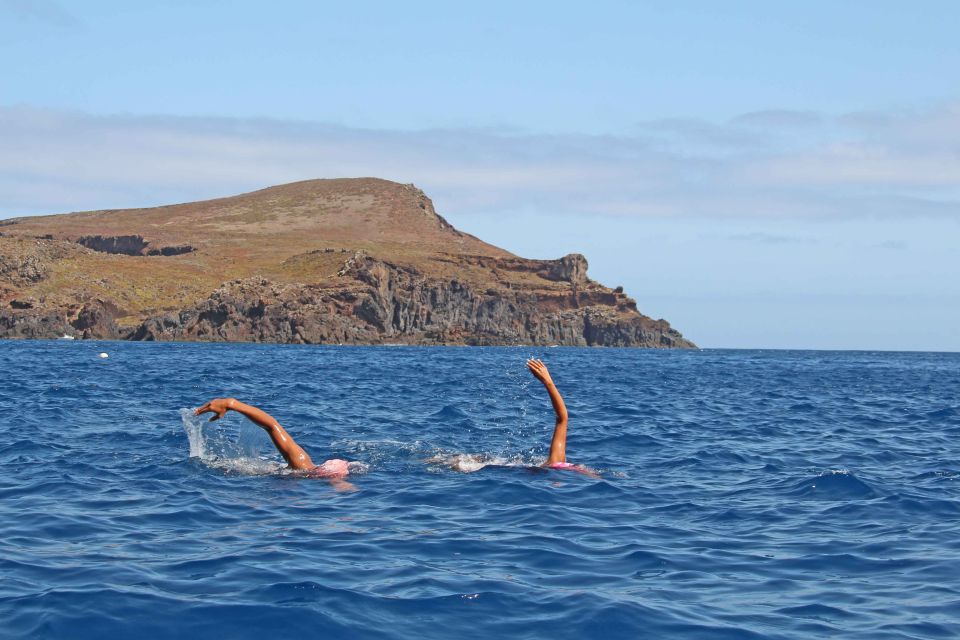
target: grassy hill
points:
(352, 253)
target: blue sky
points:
(760, 174)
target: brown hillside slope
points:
(362, 261)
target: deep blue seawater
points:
(745, 494)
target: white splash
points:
(357, 468)
(210, 445)
(471, 462)
(193, 425)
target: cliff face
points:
(280, 266)
(383, 302)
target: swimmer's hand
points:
(539, 371)
(217, 406)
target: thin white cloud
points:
(894, 245)
(780, 118)
(772, 163)
(760, 237)
(46, 11)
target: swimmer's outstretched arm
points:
(558, 446)
(295, 456)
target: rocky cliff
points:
(327, 261)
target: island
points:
(359, 261)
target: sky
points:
(762, 175)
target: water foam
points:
(471, 462)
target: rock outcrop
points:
(129, 246)
(32, 319)
(396, 304)
(25, 262)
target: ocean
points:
(743, 494)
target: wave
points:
(450, 412)
(946, 412)
(836, 484)
(816, 611)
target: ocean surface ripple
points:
(744, 494)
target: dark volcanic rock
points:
(33, 324)
(170, 251)
(96, 320)
(123, 245)
(28, 319)
(130, 246)
(380, 302)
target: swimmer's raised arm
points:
(295, 456)
(220, 406)
(558, 445)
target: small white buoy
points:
(104, 355)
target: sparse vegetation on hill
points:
(359, 261)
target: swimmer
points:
(558, 444)
(557, 459)
(298, 460)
